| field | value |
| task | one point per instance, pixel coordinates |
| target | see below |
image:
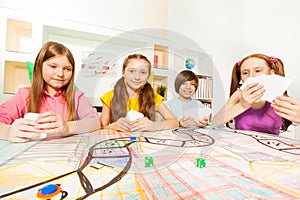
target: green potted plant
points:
(161, 89)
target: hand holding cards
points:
(274, 85)
(33, 117)
(198, 113)
(133, 115)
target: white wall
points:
(275, 30)
(228, 30)
(232, 29)
(122, 15)
(214, 25)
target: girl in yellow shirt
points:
(133, 92)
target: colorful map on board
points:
(111, 165)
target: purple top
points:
(261, 120)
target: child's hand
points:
(122, 124)
(287, 108)
(52, 124)
(251, 94)
(22, 130)
(140, 124)
(203, 122)
(187, 122)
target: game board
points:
(111, 165)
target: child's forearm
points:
(83, 126)
(227, 113)
(5, 129)
(163, 125)
(219, 118)
(170, 124)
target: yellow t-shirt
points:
(133, 103)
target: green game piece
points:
(148, 161)
(200, 162)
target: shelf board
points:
(17, 56)
(206, 100)
(19, 35)
(15, 76)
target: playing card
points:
(198, 113)
(33, 117)
(133, 115)
(274, 85)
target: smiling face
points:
(57, 72)
(186, 90)
(254, 67)
(136, 74)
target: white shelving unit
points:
(203, 67)
(17, 35)
(161, 68)
(204, 91)
(25, 33)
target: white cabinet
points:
(25, 33)
(161, 69)
(14, 54)
(204, 91)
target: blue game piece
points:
(132, 138)
(49, 189)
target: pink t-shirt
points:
(16, 107)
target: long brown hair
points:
(273, 63)
(119, 103)
(48, 51)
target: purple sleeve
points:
(15, 107)
(83, 108)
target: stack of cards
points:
(33, 117)
(197, 113)
(133, 115)
(274, 85)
